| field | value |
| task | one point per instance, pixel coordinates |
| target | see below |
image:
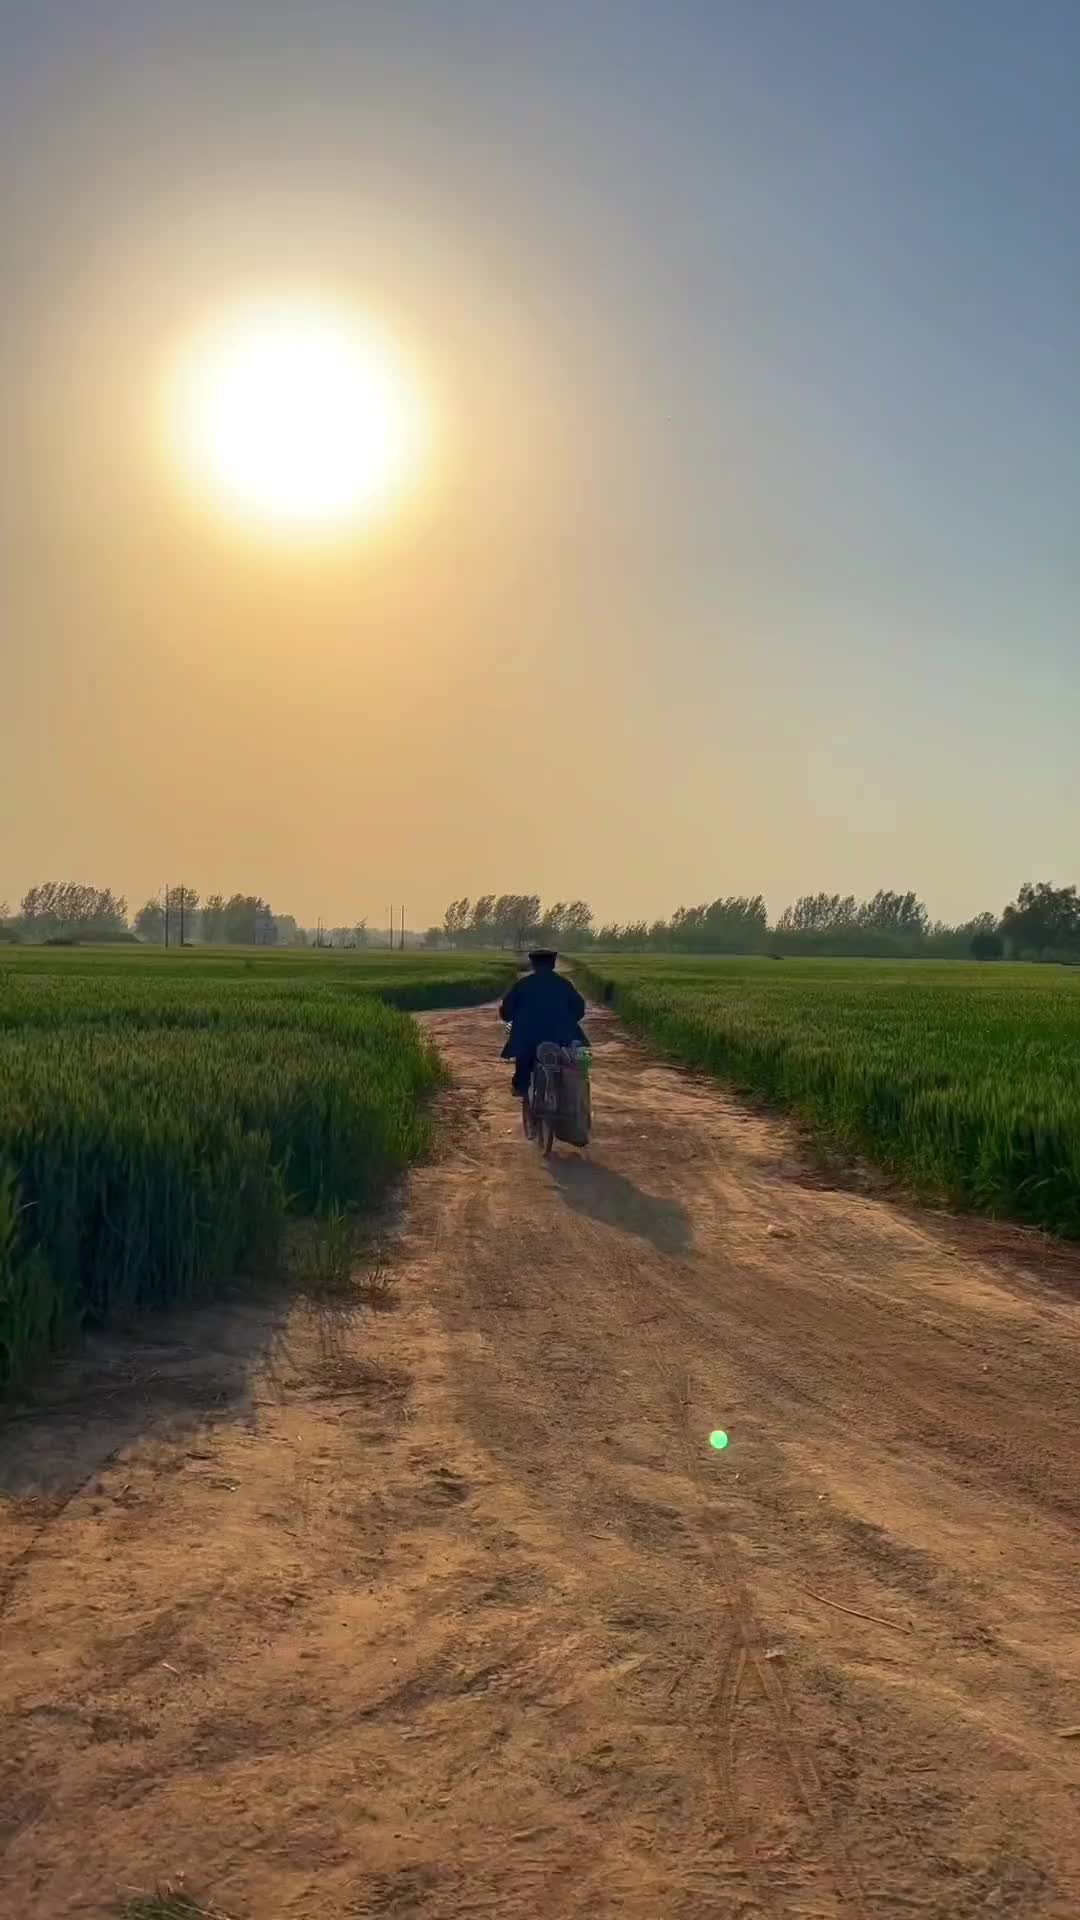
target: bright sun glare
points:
(296, 418)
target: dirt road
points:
(452, 1611)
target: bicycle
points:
(540, 1106)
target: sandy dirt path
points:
(452, 1611)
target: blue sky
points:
(756, 327)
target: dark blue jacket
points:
(542, 1006)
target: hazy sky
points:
(747, 557)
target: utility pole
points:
(182, 892)
(401, 943)
(166, 913)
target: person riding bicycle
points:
(541, 1006)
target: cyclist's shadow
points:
(609, 1197)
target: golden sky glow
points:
(575, 447)
(296, 418)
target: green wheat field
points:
(162, 1113)
(963, 1080)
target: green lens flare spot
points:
(718, 1439)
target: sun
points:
(296, 418)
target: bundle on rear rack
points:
(573, 1119)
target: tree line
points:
(66, 908)
(512, 920)
(1042, 923)
(66, 911)
(242, 920)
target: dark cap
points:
(543, 954)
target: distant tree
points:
(515, 917)
(819, 913)
(244, 917)
(896, 913)
(213, 919)
(435, 937)
(481, 928)
(977, 939)
(266, 931)
(36, 904)
(510, 920)
(566, 923)
(360, 933)
(1042, 919)
(150, 923)
(288, 933)
(685, 927)
(948, 942)
(981, 923)
(736, 923)
(67, 909)
(526, 918)
(184, 920)
(547, 928)
(109, 912)
(634, 935)
(457, 920)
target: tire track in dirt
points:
(883, 1346)
(743, 1649)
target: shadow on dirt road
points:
(593, 1189)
